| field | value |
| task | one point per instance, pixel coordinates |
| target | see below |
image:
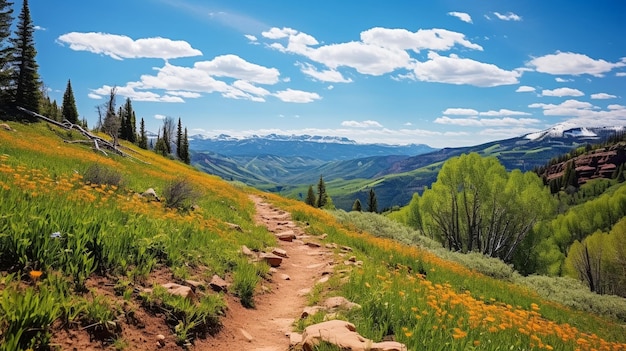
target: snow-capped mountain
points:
(570, 130)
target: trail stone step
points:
(287, 235)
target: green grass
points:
(57, 233)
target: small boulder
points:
(280, 252)
(246, 251)
(295, 339)
(150, 194)
(339, 302)
(312, 244)
(271, 259)
(343, 334)
(179, 290)
(218, 284)
(287, 235)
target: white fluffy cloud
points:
(122, 47)
(364, 58)
(456, 70)
(460, 112)
(486, 122)
(560, 92)
(129, 91)
(233, 66)
(329, 75)
(508, 16)
(585, 113)
(361, 124)
(602, 96)
(297, 96)
(384, 50)
(525, 89)
(504, 112)
(568, 63)
(423, 39)
(462, 16)
(179, 82)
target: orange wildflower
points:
(35, 275)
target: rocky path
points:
(267, 327)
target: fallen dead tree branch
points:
(98, 142)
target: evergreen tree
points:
(168, 133)
(310, 197)
(160, 146)
(69, 104)
(143, 138)
(356, 206)
(111, 123)
(132, 128)
(321, 193)
(25, 75)
(6, 19)
(372, 201)
(127, 116)
(185, 156)
(179, 140)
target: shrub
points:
(98, 174)
(181, 194)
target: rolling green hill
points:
(79, 246)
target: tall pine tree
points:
(128, 129)
(310, 197)
(143, 138)
(321, 193)
(6, 19)
(372, 201)
(68, 108)
(25, 75)
(179, 140)
(185, 156)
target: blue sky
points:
(443, 73)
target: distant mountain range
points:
(315, 147)
(290, 164)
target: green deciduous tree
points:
(585, 261)
(475, 205)
(414, 217)
(25, 68)
(68, 108)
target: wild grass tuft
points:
(246, 276)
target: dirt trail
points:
(266, 327)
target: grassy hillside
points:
(76, 256)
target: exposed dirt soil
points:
(270, 323)
(278, 301)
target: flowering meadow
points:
(430, 303)
(59, 231)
